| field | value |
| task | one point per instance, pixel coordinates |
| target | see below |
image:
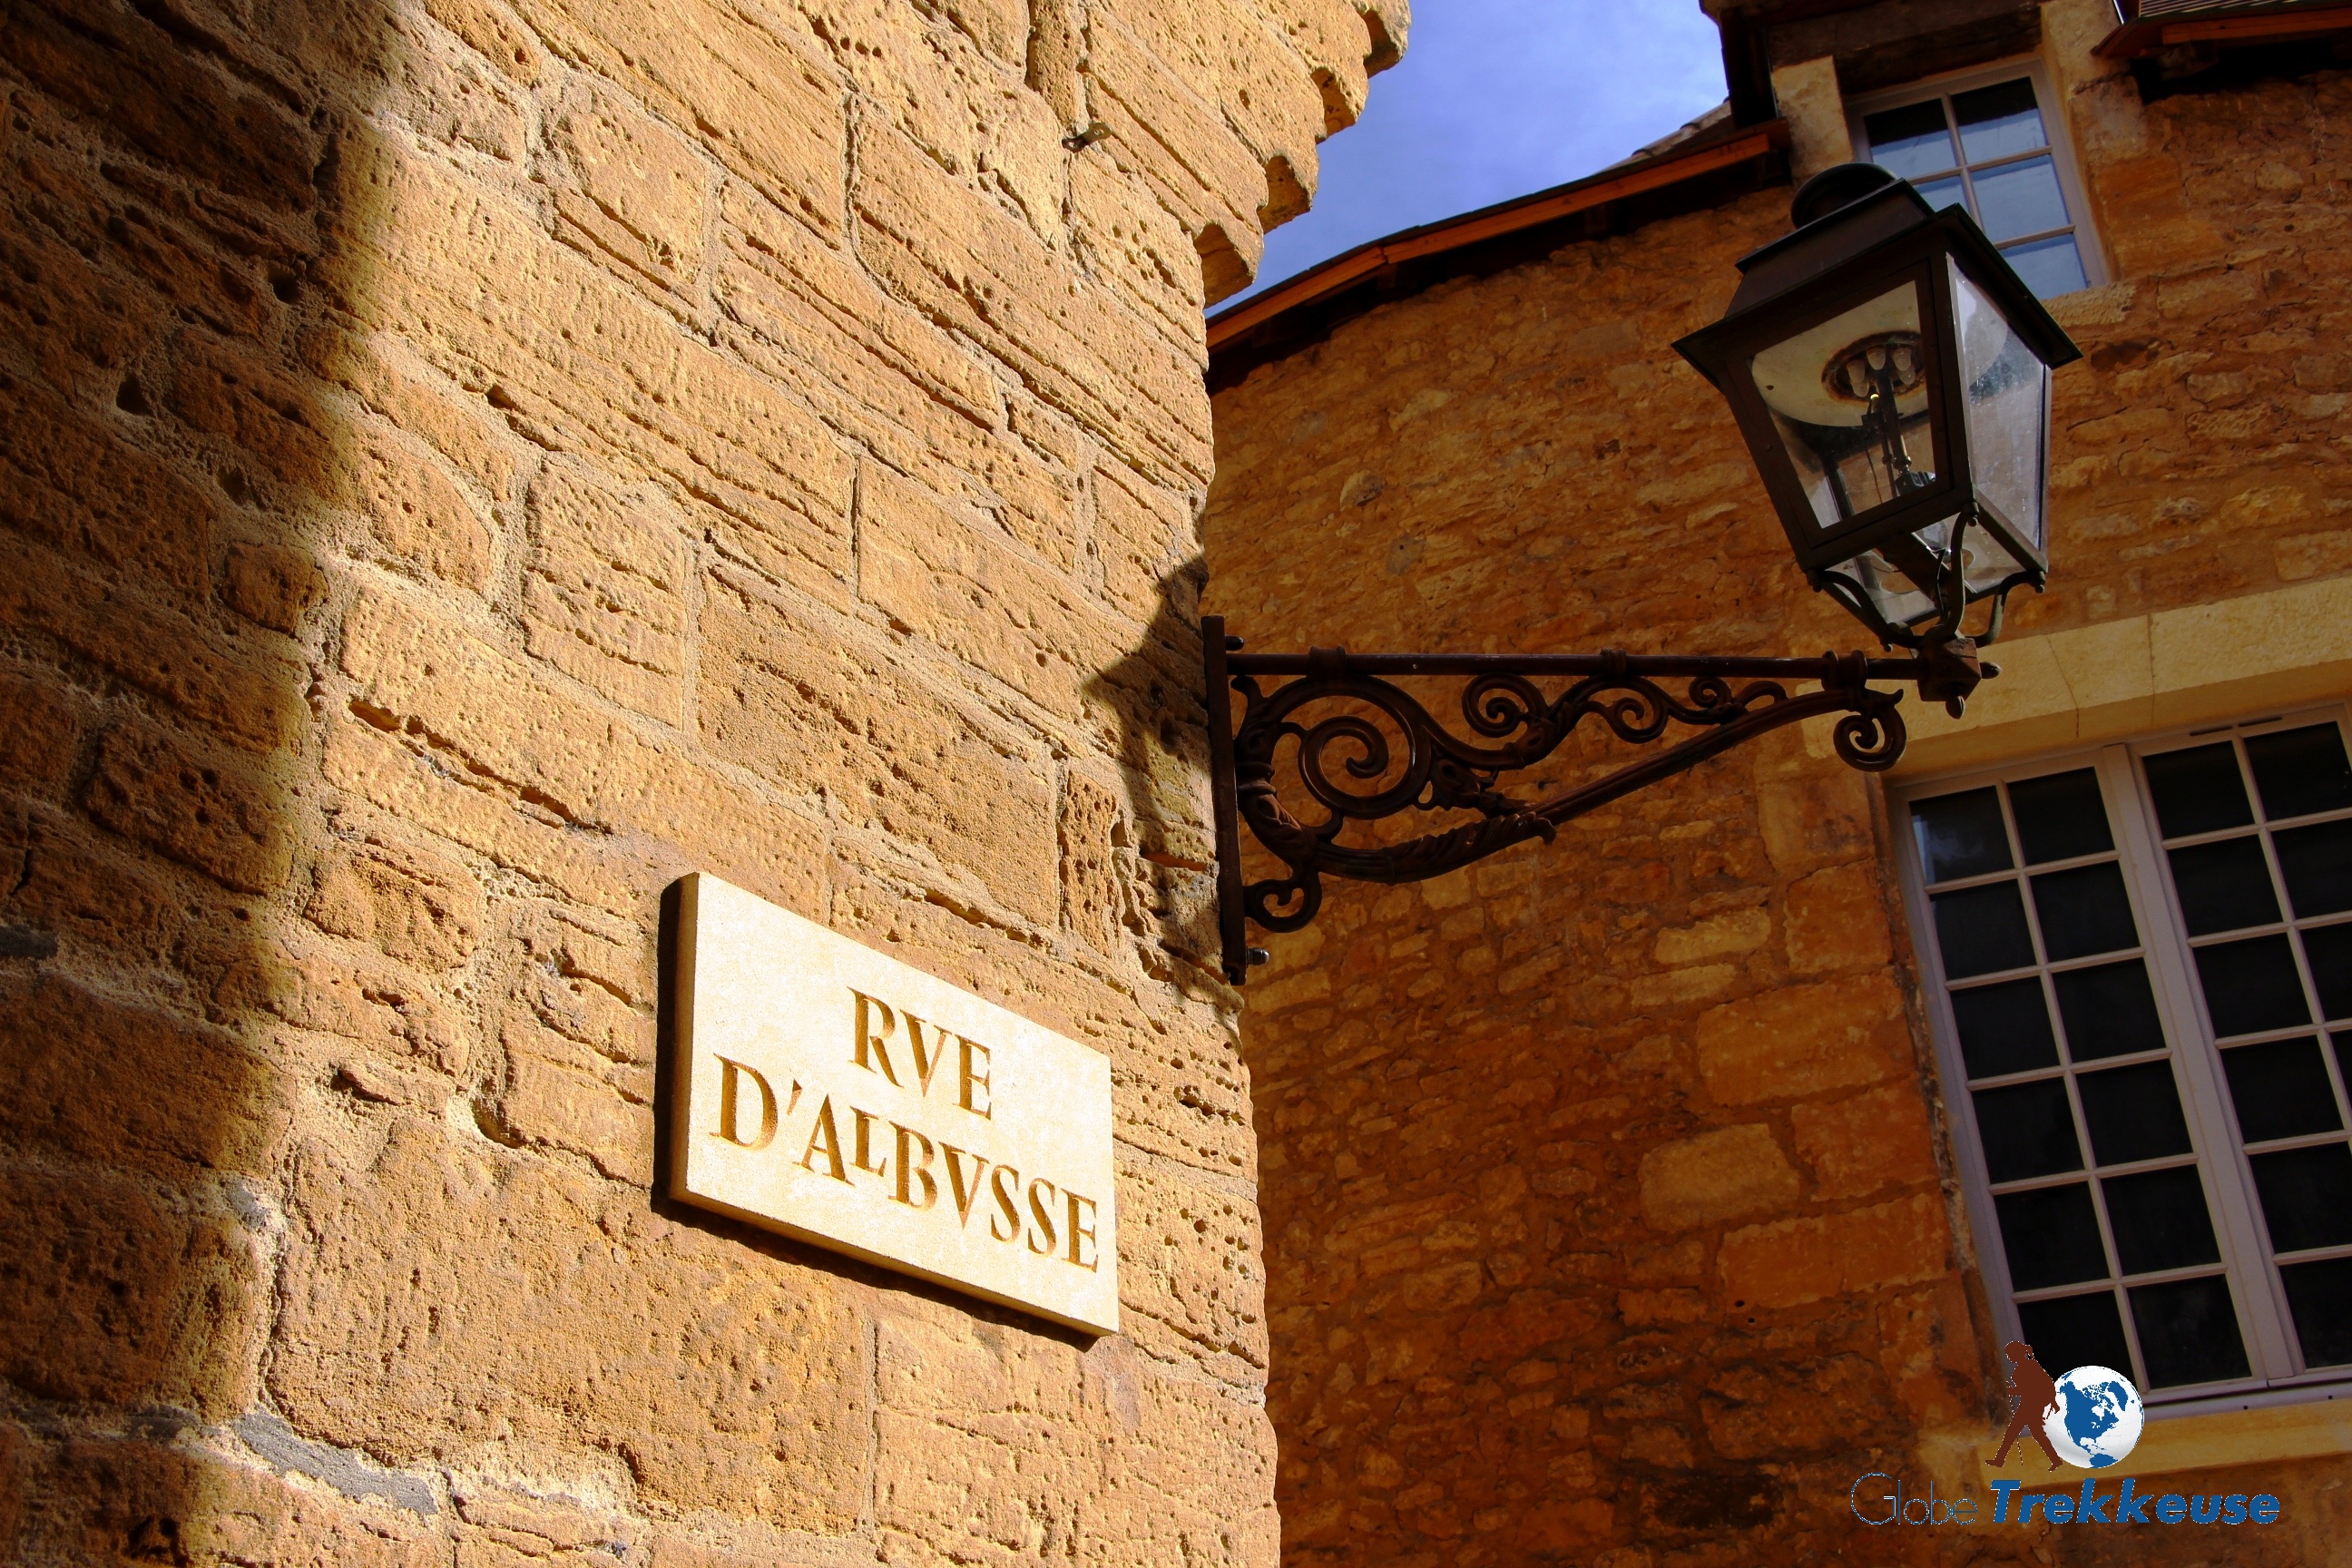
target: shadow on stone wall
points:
(175, 181)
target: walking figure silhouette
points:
(2037, 1399)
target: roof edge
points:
(1720, 148)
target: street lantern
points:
(1891, 375)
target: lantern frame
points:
(1868, 247)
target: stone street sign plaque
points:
(823, 1090)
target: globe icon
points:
(2098, 1417)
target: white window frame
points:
(2272, 1352)
(2087, 244)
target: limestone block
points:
(211, 810)
(760, 101)
(1807, 96)
(41, 729)
(453, 1298)
(810, 713)
(386, 378)
(642, 192)
(1803, 1040)
(75, 486)
(416, 513)
(1873, 1139)
(1092, 902)
(605, 598)
(271, 584)
(975, 598)
(224, 390)
(491, 32)
(1759, 1412)
(246, 695)
(1837, 920)
(1722, 1174)
(1166, 135)
(417, 906)
(1738, 931)
(1790, 1262)
(1192, 1285)
(1127, 238)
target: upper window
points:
(1989, 143)
(2142, 967)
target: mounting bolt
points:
(1258, 955)
(1079, 140)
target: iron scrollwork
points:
(1376, 752)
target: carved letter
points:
(868, 1040)
(1040, 1209)
(1079, 1233)
(729, 1071)
(865, 1120)
(964, 1196)
(826, 1136)
(911, 1170)
(968, 1078)
(926, 1065)
(1008, 1201)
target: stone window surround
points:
(2277, 651)
(2087, 244)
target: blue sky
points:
(1497, 98)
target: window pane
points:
(1999, 121)
(2061, 816)
(2317, 861)
(2027, 1131)
(2251, 986)
(1960, 835)
(1912, 140)
(2301, 771)
(2133, 1113)
(1981, 930)
(2085, 911)
(1942, 194)
(2051, 1235)
(2004, 1029)
(2109, 1011)
(2075, 1331)
(2159, 1222)
(2328, 949)
(2320, 1297)
(2280, 1090)
(2048, 267)
(2223, 887)
(2020, 198)
(2187, 1332)
(2198, 790)
(2307, 1195)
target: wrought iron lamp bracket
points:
(1348, 764)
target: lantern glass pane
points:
(2004, 400)
(1891, 576)
(1850, 397)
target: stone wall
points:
(465, 464)
(1611, 1217)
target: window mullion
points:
(2255, 1284)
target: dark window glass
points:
(2109, 1011)
(2280, 1089)
(2301, 771)
(2159, 1221)
(2051, 1235)
(2061, 816)
(1960, 835)
(2251, 986)
(2084, 912)
(2075, 1331)
(1912, 140)
(2224, 887)
(2307, 1195)
(2320, 1297)
(2187, 1331)
(2317, 861)
(2328, 949)
(1981, 930)
(2004, 1029)
(2198, 790)
(2133, 1113)
(1998, 122)
(2027, 1131)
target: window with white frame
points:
(2140, 978)
(1991, 142)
